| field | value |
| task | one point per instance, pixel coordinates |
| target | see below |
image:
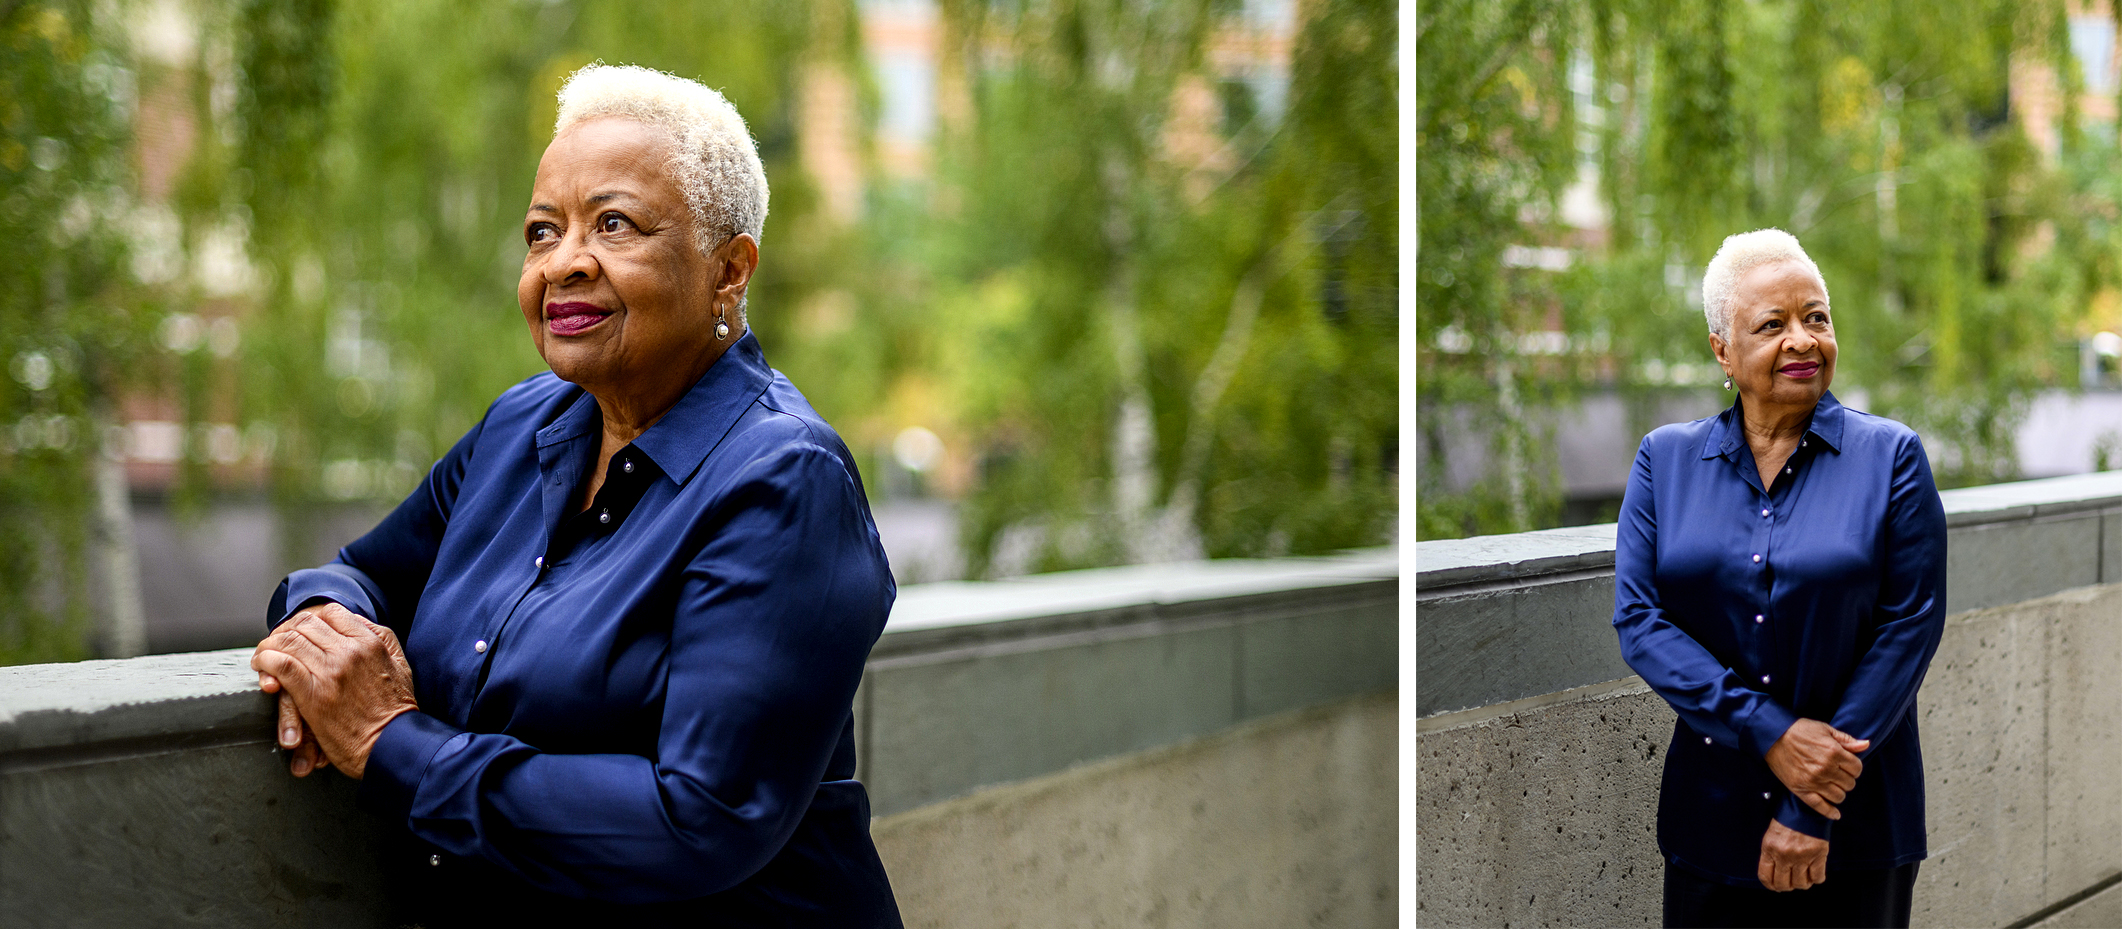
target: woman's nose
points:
(570, 259)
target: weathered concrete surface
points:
(2102, 910)
(1512, 616)
(218, 836)
(1285, 822)
(1540, 812)
(147, 791)
(1488, 643)
(1545, 815)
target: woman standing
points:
(1780, 581)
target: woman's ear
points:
(1716, 347)
(740, 257)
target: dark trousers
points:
(1846, 900)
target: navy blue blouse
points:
(647, 704)
(1748, 609)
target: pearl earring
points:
(1727, 382)
(721, 325)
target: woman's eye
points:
(612, 222)
(540, 232)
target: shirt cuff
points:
(309, 584)
(399, 760)
(1765, 725)
(1795, 814)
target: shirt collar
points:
(1728, 435)
(680, 441)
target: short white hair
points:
(712, 157)
(1742, 253)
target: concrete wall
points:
(147, 792)
(1536, 804)
(1511, 616)
(1286, 822)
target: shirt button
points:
(480, 647)
(1764, 511)
(1705, 740)
(1764, 795)
(627, 466)
(1760, 618)
(1764, 677)
(434, 861)
(604, 516)
(541, 560)
(1786, 470)
(1757, 559)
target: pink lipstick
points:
(1801, 370)
(573, 318)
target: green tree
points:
(1158, 366)
(1958, 255)
(72, 329)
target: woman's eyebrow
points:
(600, 197)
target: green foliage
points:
(1073, 267)
(357, 171)
(1959, 257)
(68, 338)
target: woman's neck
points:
(1772, 434)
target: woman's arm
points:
(774, 620)
(381, 574)
(1709, 697)
(1910, 617)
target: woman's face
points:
(616, 295)
(1782, 347)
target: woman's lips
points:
(573, 318)
(1801, 370)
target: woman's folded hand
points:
(341, 679)
(1791, 860)
(1818, 763)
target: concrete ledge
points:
(981, 684)
(1511, 616)
(67, 707)
(147, 791)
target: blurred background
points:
(1081, 282)
(1952, 166)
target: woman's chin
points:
(574, 362)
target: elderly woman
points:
(1780, 580)
(635, 600)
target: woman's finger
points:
(1816, 871)
(289, 640)
(319, 632)
(289, 670)
(390, 640)
(290, 722)
(1819, 804)
(345, 622)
